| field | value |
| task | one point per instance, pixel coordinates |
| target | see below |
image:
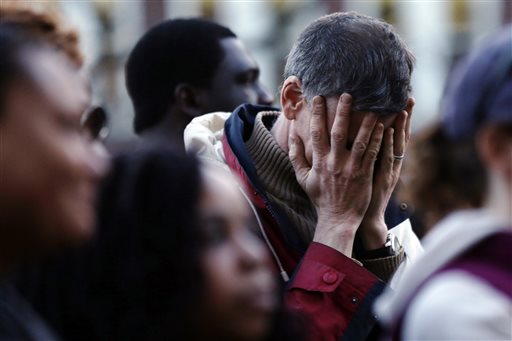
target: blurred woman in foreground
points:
(461, 288)
(175, 257)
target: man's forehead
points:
(57, 79)
(236, 56)
(332, 103)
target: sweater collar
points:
(273, 164)
(277, 175)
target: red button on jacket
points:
(330, 277)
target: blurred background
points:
(438, 33)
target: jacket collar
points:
(237, 130)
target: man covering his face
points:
(320, 173)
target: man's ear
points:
(410, 105)
(292, 98)
(187, 99)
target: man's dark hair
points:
(173, 52)
(438, 169)
(357, 54)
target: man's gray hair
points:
(357, 54)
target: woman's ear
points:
(494, 145)
(292, 98)
(187, 99)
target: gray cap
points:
(480, 89)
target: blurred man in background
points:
(184, 68)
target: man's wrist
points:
(335, 235)
(391, 248)
(373, 233)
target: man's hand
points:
(339, 181)
(387, 172)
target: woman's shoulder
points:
(458, 305)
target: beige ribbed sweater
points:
(276, 173)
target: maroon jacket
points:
(334, 292)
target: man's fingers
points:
(373, 146)
(400, 134)
(318, 129)
(409, 108)
(298, 158)
(339, 131)
(408, 129)
(388, 159)
(363, 137)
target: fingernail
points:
(317, 100)
(345, 98)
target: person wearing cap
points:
(461, 288)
